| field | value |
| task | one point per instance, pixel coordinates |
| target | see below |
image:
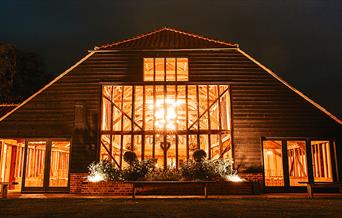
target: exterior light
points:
(234, 178)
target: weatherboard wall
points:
(261, 105)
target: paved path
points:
(261, 196)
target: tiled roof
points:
(5, 108)
(167, 38)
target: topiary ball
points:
(199, 155)
(129, 157)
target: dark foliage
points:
(21, 74)
(129, 157)
(199, 155)
(138, 170)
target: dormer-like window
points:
(166, 69)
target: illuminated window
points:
(273, 163)
(296, 154)
(321, 161)
(166, 69)
(183, 117)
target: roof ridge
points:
(201, 37)
(160, 30)
(130, 39)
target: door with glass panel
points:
(46, 165)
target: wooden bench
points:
(311, 185)
(4, 188)
(136, 184)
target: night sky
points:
(301, 41)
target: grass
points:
(106, 207)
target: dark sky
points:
(299, 40)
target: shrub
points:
(130, 157)
(138, 170)
(199, 155)
(191, 170)
(169, 174)
(103, 170)
(222, 168)
(206, 170)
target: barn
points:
(175, 91)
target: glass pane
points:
(181, 149)
(170, 69)
(116, 147)
(321, 160)
(193, 145)
(225, 109)
(171, 106)
(105, 145)
(127, 146)
(117, 107)
(138, 107)
(11, 162)
(215, 146)
(226, 146)
(148, 154)
(296, 152)
(136, 147)
(159, 115)
(181, 108)
(35, 164)
(149, 107)
(171, 152)
(192, 108)
(159, 153)
(273, 163)
(182, 69)
(204, 144)
(203, 107)
(106, 114)
(59, 164)
(148, 69)
(160, 69)
(214, 110)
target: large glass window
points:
(298, 170)
(321, 161)
(12, 161)
(161, 121)
(166, 69)
(273, 163)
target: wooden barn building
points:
(168, 87)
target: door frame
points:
(46, 178)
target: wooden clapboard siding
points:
(261, 105)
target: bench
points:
(4, 188)
(136, 184)
(311, 185)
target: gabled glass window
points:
(166, 69)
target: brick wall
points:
(76, 180)
(252, 177)
(106, 188)
(79, 185)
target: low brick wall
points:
(106, 188)
(76, 180)
(80, 185)
(252, 177)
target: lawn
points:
(106, 207)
